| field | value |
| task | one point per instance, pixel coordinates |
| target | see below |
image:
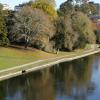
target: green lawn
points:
(10, 57)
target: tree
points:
(88, 8)
(3, 29)
(73, 27)
(70, 6)
(92, 8)
(81, 1)
(10, 22)
(48, 6)
(35, 25)
(50, 2)
(59, 36)
(65, 37)
(24, 24)
(66, 8)
(83, 26)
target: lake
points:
(75, 80)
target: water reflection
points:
(75, 80)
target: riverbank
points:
(43, 63)
(15, 56)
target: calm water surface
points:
(76, 80)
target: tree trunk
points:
(26, 41)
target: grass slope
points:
(10, 57)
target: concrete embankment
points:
(40, 64)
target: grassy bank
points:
(14, 61)
(11, 57)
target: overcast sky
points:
(12, 3)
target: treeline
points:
(38, 24)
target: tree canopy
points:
(48, 6)
(38, 24)
(50, 2)
(33, 23)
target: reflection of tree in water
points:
(40, 86)
(34, 86)
(2, 91)
(10, 89)
(78, 78)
